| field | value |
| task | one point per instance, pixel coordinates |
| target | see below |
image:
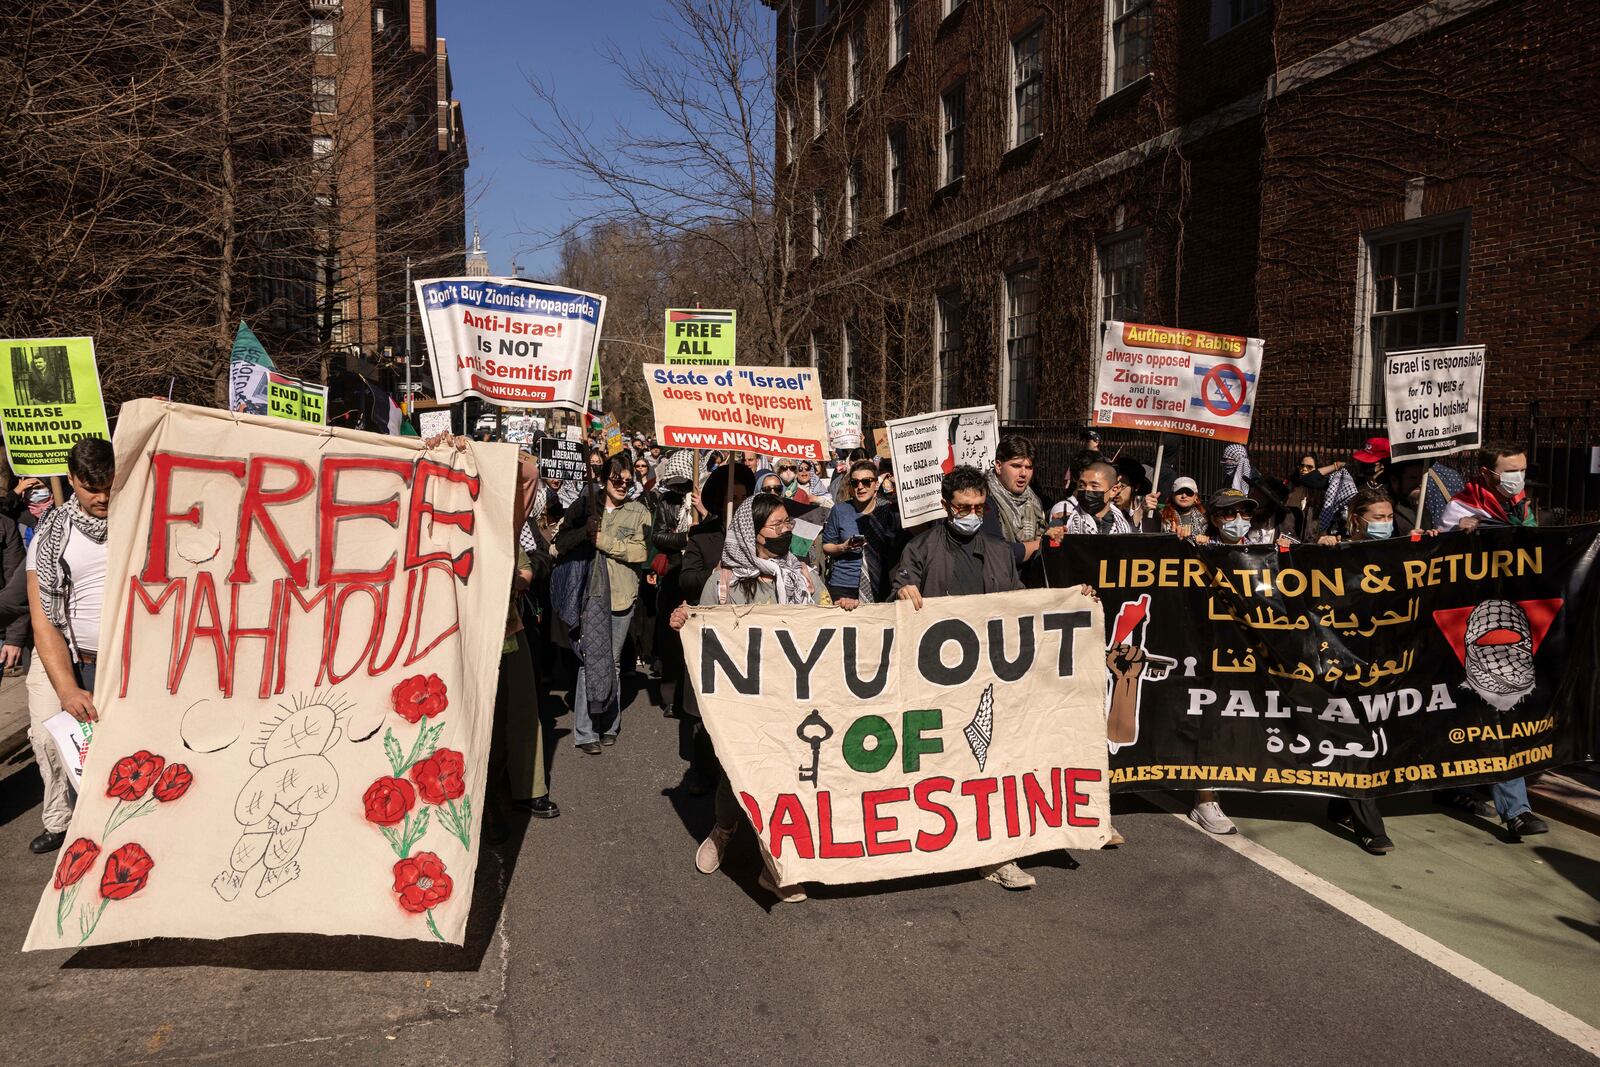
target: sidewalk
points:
(1571, 795)
(13, 714)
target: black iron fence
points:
(1563, 450)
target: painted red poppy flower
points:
(127, 870)
(419, 695)
(75, 862)
(441, 777)
(133, 776)
(173, 783)
(421, 882)
(389, 800)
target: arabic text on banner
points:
(49, 401)
(888, 742)
(296, 684)
(1177, 381)
(1358, 670)
(927, 447)
(776, 411)
(510, 342)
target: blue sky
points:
(493, 45)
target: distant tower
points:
(477, 259)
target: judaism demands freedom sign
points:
(510, 342)
(925, 448)
(1434, 399)
(1177, 381)
(301, 641)
(776, 411)
(887, 742)
(1359, 670)
(49, 400)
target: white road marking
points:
(1561, 1023)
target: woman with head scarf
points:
(767, 481)
(757, 568)
(1236, 468)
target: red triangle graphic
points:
(1452, 622)
(1541, 615)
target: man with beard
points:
(1015, 514)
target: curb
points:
(1558, 797)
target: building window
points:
(1122, 279)
(813, 349)
(324, 91)
(953, 126)
(852, 200)
(322, 36)
(847, 370)
(1226, 14)
(791, 34)
(790, 137)
(894, 185)
(858, 61)
(321, 149)
(1022, 343)
(819, 224)
(788, 244)
(1131, 23)
(1027, 88)
(950, 7)
(898, 46)
(1418, 279)
(949, 316)
(819, 103)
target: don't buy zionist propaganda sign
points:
(296, 684)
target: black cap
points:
(1228, 499)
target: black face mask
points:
(1312, 480)
(779, 545)
(1361, 472)
(1092, 500)
(672, 496)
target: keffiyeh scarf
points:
(740, 557)
(1236, 461)
(1021, 514)
(54, 529)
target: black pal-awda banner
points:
(1360, 670)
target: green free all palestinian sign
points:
(700, 337)
(49, 400)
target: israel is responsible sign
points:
(1434, 398)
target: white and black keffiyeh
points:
(1021, 514)
(739, 556)
(1080, 521)
(52, 534)
(1236, 461)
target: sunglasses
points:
(1308, 466)
(785, 467)
(967, 509)
(619, 481)
(1184, 492)
(863, 481)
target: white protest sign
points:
(1434, 401)
(72, 741)
(1169, 380)
(510, 342)
(844, 424)
(927, 447)
(776, 411)
(433, 423)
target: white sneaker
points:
(1209, 817)
(1010, 876)
(708, 857)
(787, 894)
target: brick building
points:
(972, 186)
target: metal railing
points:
(1561, 450)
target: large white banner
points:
(510, 342)
(925, 448)
(1434, 398)
(296, 681)
(887, 742)
(1168, 380)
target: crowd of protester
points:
(606, 568)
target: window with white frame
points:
(847, 352)
(949, 321)
(321, 35)
(852, 200)
(819, 224)
(791, 33)
(894, 179)
(819, 103)
(1122, 278)
(950, 7)
(1027, 87)
(1417, 296)
(1022, 343)
(814, 349)
(953, 133)
(321, 149)
(1128, 47)
(1226, 14)
(788, 243)
(786, 127)
(857, 47)
(324, 94)
(899, 46)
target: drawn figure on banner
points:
(296, 783)
(1129, 664)
(1496, 642)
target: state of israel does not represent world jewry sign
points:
(776, 411)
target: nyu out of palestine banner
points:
(700, 337)
(927, 447)
(297, 674)
(1434, 401)
(776, 411)
(1176, 381)
(1360, 670)
(49, 401)
(510, 342)
(886, 742)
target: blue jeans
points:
(1510, 798)
(587, 728)
(85, 673)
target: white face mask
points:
(1513, 482)
(1235, 529)
(966, 525)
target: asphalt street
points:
(594, 940)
